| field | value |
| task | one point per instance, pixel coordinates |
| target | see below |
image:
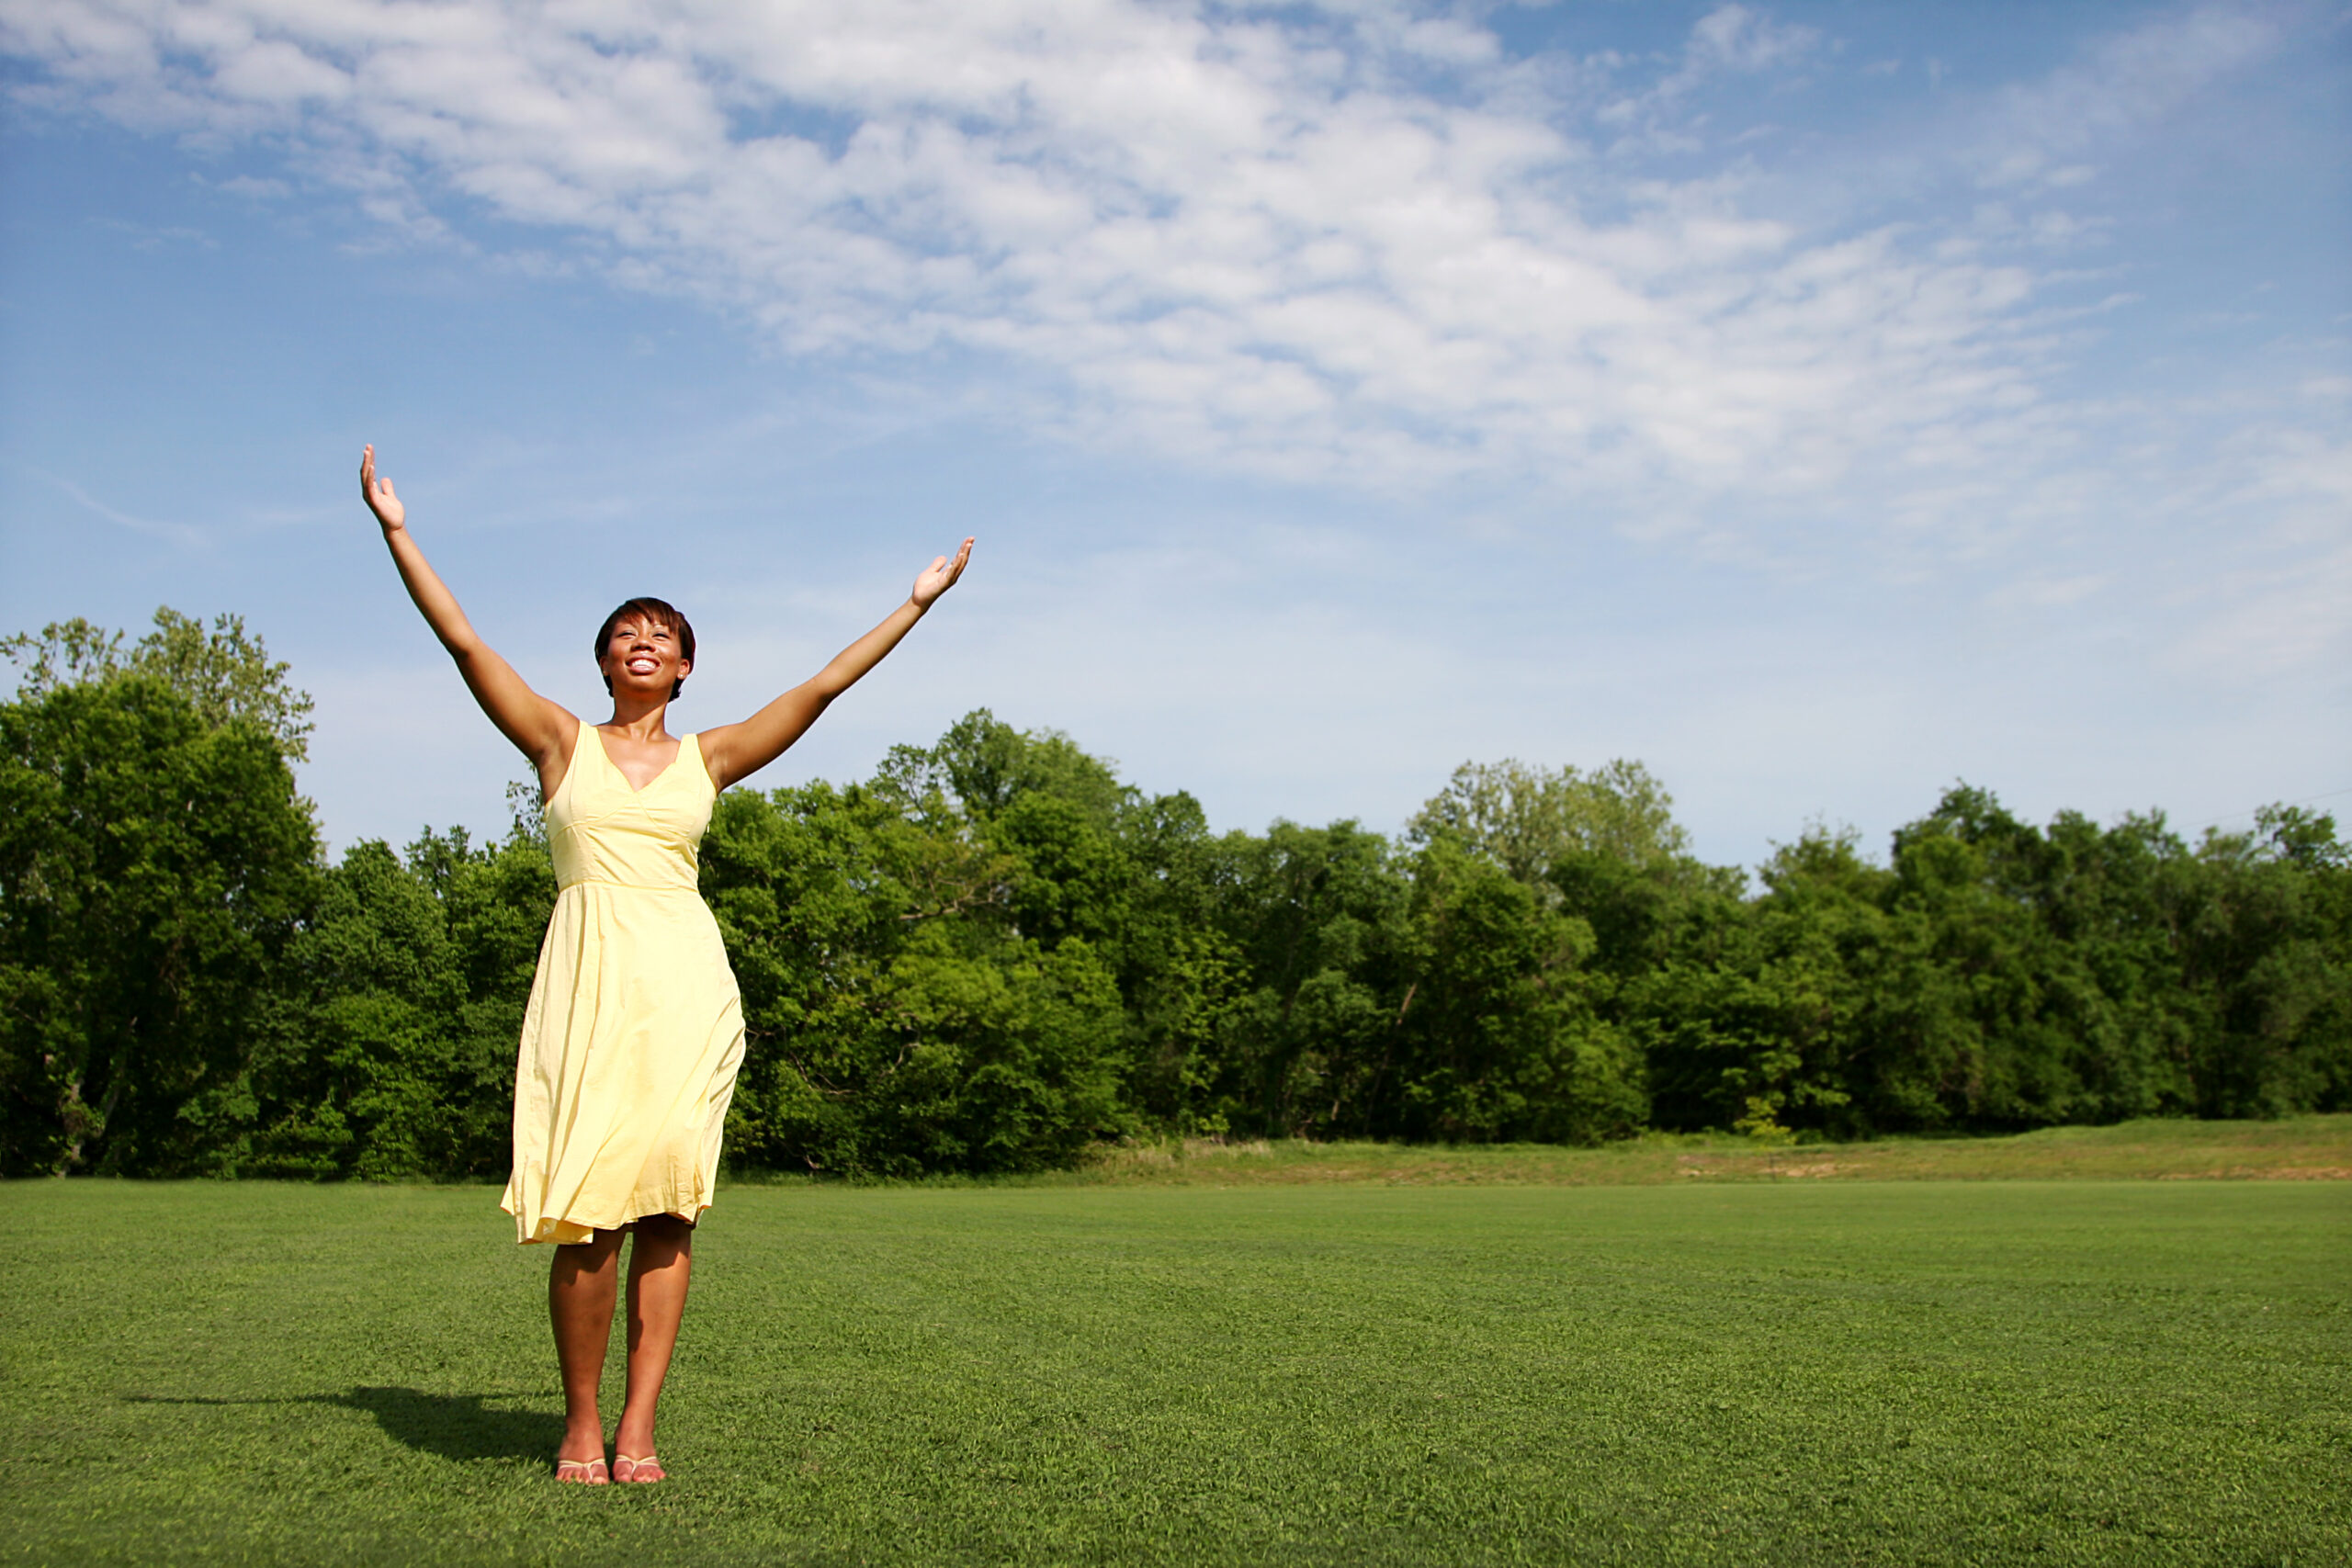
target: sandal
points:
(626, 1469)
(582, 1472)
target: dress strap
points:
(702, 764)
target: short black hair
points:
(661, 612)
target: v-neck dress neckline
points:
(676, 757)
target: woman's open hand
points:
(940, 575)
(378, 494)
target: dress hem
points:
(562, 1230)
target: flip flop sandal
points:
(626, 1469)
(582, 1472)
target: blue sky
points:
(1818, 402)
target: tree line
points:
(994, 954)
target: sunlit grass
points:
(1688, 1372)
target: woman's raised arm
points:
(735, 751)
(541, 729)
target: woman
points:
(633, 1029)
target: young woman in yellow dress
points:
(634, 1030)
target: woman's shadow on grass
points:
(455, 1425)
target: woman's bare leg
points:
(661, 1263)
(581, 1286)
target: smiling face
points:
(645, 651)
(643, 655)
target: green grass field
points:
(1695, 1372)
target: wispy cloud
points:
(1360, 245)
(1356, 243)
(184, 534)
(2041, 133)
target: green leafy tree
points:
(995, 952)
(1533, 821)
(899, 1018)
(154, 866)
(1498, 1037)
(1081, 855)
(1183, 978)
(2267, 957)
(1320, 919)
(1751, 1014)
(224, 674)
(391, 1052)
(814, 890)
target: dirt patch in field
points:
(2297, 1148)
(2264, 1173)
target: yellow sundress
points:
(634, 1029)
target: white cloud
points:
(1356, 245)
(258, 189)
(2128, 81)
(1740, 39)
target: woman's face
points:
(643, 657)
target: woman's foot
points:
(626, 1469)
(582, 1471)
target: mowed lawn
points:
(1901, 1373)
